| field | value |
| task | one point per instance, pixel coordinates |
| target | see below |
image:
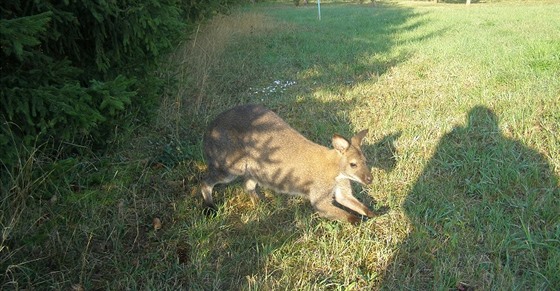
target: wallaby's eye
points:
(353, 165)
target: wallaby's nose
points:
(368, 179)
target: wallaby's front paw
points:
(355, 220)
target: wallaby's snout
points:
(253, 142)
(368, 179)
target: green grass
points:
(463, 107)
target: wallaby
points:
(253, 142)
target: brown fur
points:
(253, 142)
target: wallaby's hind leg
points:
(250, 188)
(213, 177)
(325, 208)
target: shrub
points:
(73, 70)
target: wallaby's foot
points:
(256, 198)
(210, 210)
(355, 220)
(251, 188)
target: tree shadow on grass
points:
(312, 57)
(484, 215)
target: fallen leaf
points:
(156, 223)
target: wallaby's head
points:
(352, 163)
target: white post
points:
(319, 8)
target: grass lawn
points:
(463, 107)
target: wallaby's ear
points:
(357, 139)
(340, 143)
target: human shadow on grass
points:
(484, 215)
(383, 153)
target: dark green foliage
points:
(20, 32)
(74, 70)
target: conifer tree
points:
(72, 70)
